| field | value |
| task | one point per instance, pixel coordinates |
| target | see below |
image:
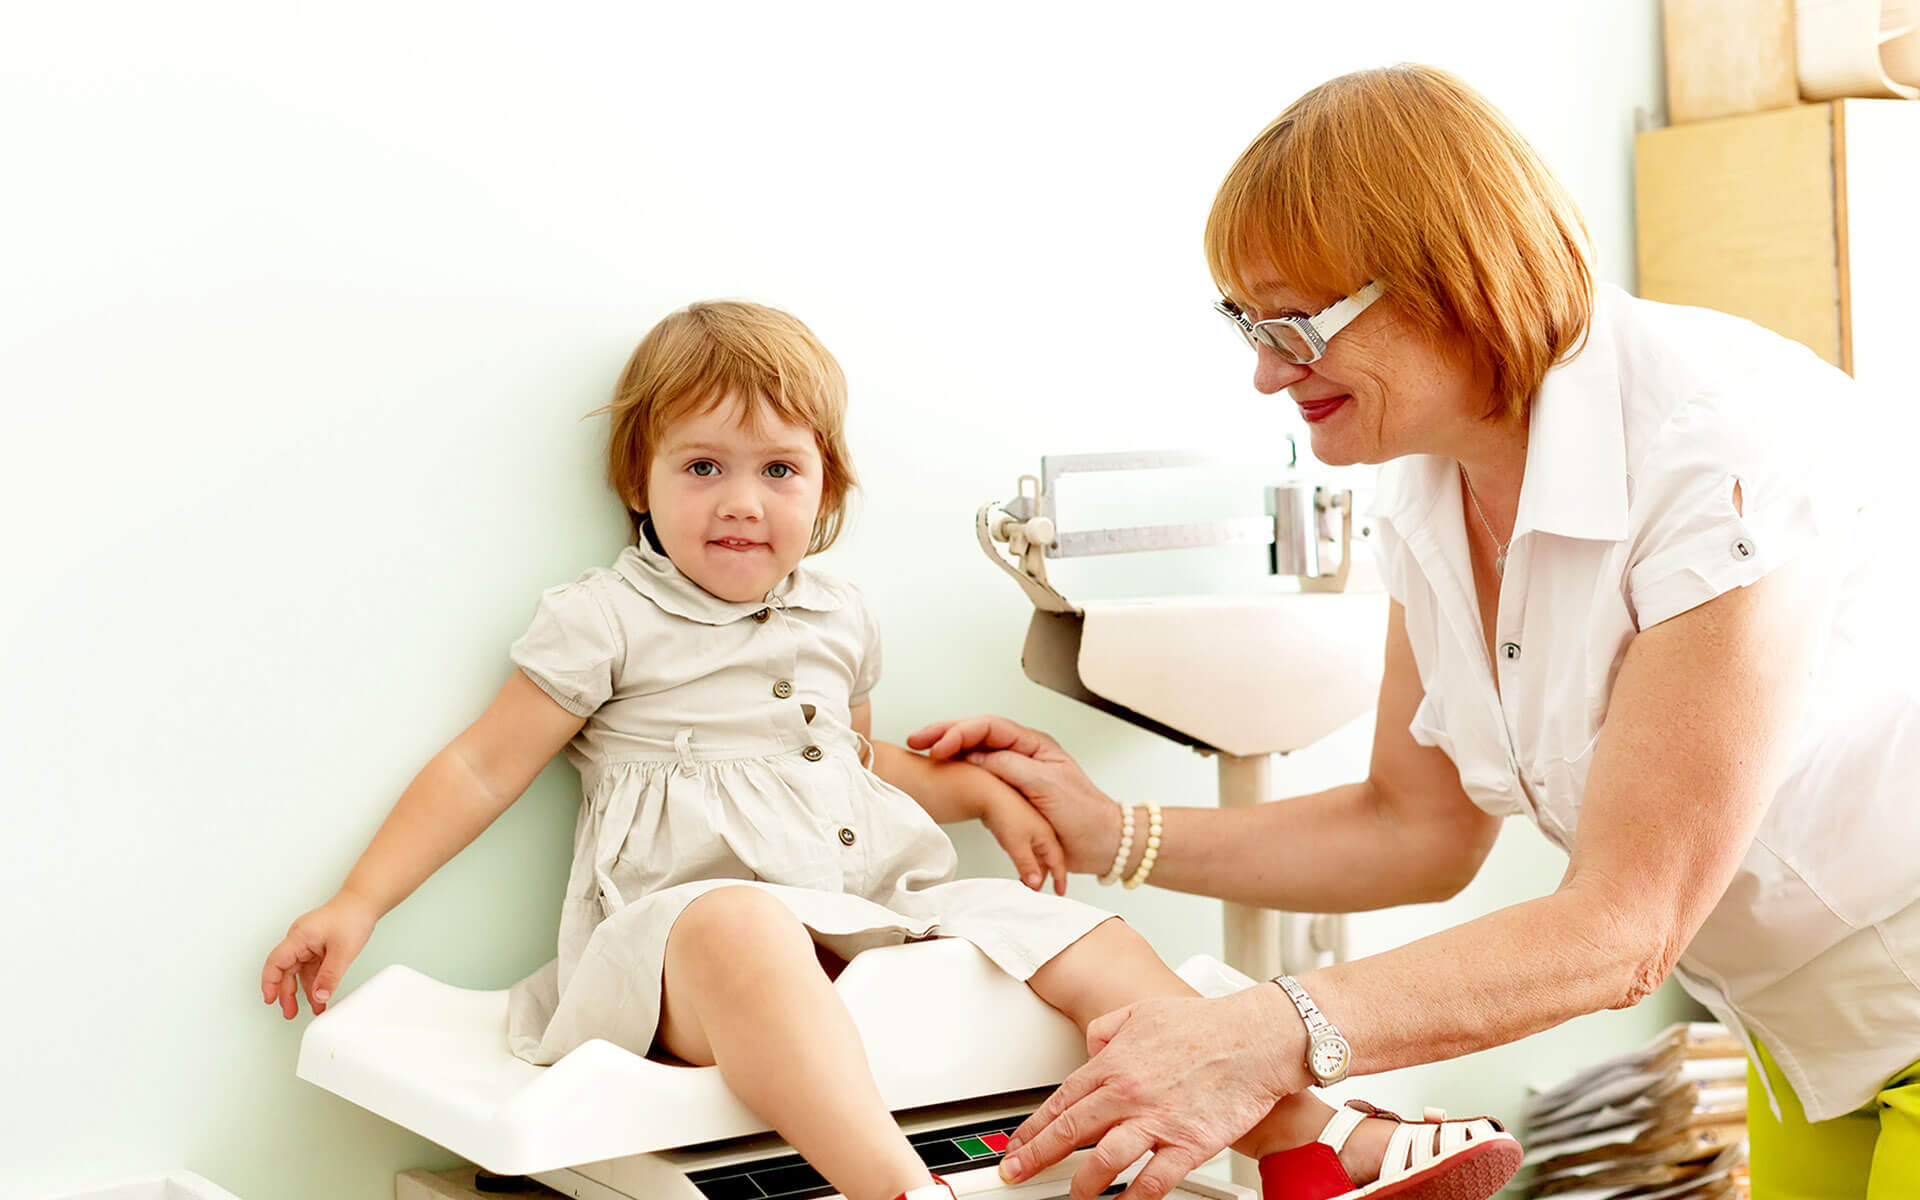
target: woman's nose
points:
(1272, 373)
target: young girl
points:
(738, 831)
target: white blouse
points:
(1626, 518)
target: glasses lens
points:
(1284, 337)
(1233, 317)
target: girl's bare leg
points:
(1112, 967)
(743, 990)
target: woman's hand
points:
(1085, 819)
(1026, 837)
(1181, 1079)
(316, 952)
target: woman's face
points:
(1382, 390)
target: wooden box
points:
(1728, 56)
(1805, 220)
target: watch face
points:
(1327, 1058)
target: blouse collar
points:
(1575, 483)
(654, 576)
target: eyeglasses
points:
(1299, 338)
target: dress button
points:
(783, 689)
(1741, 550)
(846, 836)
(762, 615)
(1510, 650)
(811, 754)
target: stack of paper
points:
(1665, 1121)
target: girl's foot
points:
(1369, 1152)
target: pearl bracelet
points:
(1153, 847)
(1126, 847)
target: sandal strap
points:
(1415, 1146)
(1341, 1125)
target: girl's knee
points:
(744, 921)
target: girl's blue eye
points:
(702, 468)
(779, 470)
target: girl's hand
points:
(1181, 1078)
(1026, 837)
(316, 952)
(1085, 819)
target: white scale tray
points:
(940, 1024)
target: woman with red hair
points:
(1639, 570)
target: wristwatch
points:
(1328, 1054)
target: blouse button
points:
(1510, 651)
(846, 836)
(782, 690)
(811, 754)
(762, 615)
(1741, 550)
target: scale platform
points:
(961, 1051)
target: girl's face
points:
(734, 504)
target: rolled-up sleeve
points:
(1696, 542)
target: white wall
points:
(301, 309)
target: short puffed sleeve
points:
(1692, 540)
(572, 648)
(866, 673)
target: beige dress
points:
(718, 751)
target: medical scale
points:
(1242, 678)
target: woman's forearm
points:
(1339, 850)
(1493, 980)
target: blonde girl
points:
(739, 837)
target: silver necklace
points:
(1500, 559)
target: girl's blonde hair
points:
(1407, 176)
(697, 357)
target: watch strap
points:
(1309, 1011)
(1319, 1028)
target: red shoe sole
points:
(1473, 1174)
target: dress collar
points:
(1576, 474)
(654, 576)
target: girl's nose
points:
(1271, 373)
(742, 503)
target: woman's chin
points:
(1329, 449)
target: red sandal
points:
(1435, 1159)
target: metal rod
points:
(1242, 531)
(1251, 935)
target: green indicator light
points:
(974, 1147)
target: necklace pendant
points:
(1500, 565)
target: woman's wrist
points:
(1287, 1037)
(1112, 818)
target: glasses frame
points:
(1299, 338)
